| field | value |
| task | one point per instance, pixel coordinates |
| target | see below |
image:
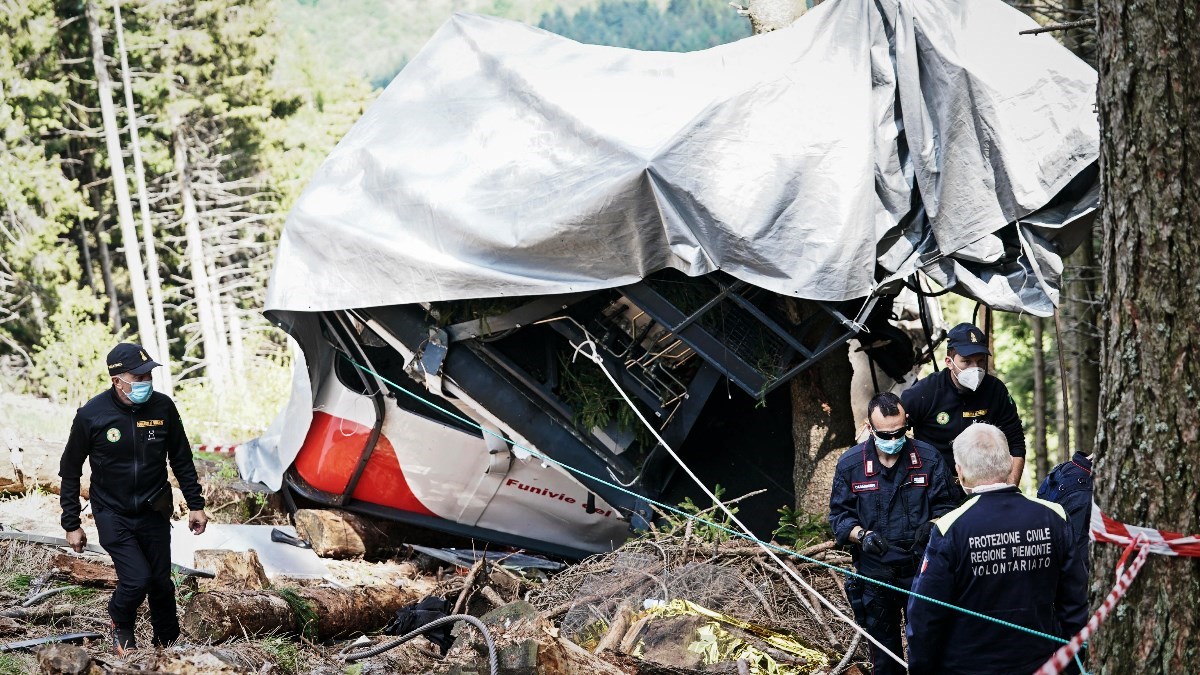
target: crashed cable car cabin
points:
(527, 246)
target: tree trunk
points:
(196, 261)
(160, 346)
(341, 534)
(822, 426)
(1148, 440)
(1080, 319)
(218, 616)
(133, 255)
(237, 345)
(110, 291)
(1041, 454)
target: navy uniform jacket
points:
(939, 412)
(892, 502)
(1070, 484)
(128, 447)
(1007, 556)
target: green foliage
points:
(80, 594)
(18, 583)
(800, 529)
(306, 615)
(334, 32)
(16, 664)
(39, 200)
(239, 412)
(675, 524)
(68, 365)
(284, 652)
(684, 26)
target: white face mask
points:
(970, 378)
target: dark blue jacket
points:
(939, 412)
(1006, 556)
(893, 502)
(1070, 484)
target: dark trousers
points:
(140, 547)
(878, 610)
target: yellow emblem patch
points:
(150, 423)
(975, 413)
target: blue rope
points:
(734, 533)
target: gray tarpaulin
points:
(870, 139)
(505, 160)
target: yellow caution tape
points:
(715, 644)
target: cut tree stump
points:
(84, 572)
(223, 615)
(341, 534)
(234, 569)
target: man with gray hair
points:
(1000, 554)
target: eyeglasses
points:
(890, 435)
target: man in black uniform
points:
(886, 491)
(128, 434)
(945, 403)
(1000, 554)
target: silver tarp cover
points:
(505, 160)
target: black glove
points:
(921, 539)
(873, 542)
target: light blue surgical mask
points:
(890, 447)
(139, 392)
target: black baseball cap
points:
(130, 358)
(967, 340)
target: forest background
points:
(233, 105)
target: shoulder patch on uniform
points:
(1053, 506)
(944, 523)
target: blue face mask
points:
(139, 392)
(890, 447)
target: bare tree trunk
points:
(236, 344)
(1148, 437)
(160, 346)
(196, 261)
(114, 306)
(85, 253)
(1041, 453)
(133, 255)
(1085, 345)
(221, 355)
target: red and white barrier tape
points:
(1106, 529)
(219, 449)
(1066, 654)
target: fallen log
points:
(83, 572)
(234, 569)
(41, 614)
(341, 534)
(320, 613)
(34, 464)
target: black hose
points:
(392, 644)
(922, 312)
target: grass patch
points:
(284, 652)
(81, 593)
(18, 583)
(13, 664)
